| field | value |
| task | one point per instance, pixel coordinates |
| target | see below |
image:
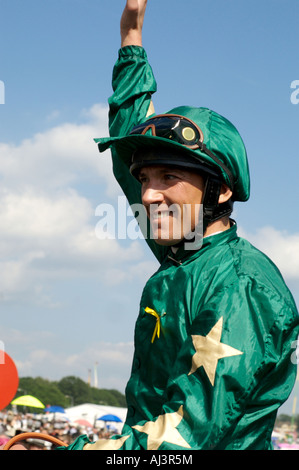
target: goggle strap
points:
(146, 129)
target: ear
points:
(225, 194)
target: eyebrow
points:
(163, 170)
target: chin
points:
(168, 242)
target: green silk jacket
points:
(216, 334)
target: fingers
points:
(136, 5)
(132, 5)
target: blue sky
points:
(68, 299)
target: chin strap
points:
(212, 210)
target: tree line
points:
(67, 392)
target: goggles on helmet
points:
(181, 130)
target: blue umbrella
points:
(54, 409)
(111, 418)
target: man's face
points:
(172, 198)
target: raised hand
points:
(131, 23)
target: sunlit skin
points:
(164, 188)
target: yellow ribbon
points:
(158, 322)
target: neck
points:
(218, 226)
(214, 227)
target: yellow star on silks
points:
(107, 444)
(164, 429)
(209, 350)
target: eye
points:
(170, 176)
(142, 179)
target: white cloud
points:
(47, 223)
(33, 215)
(45, 238)
(281, 246)
(60, 156)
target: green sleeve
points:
(78, 444)
(133, 84)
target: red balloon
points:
(9, 379)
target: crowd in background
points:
(13, 423)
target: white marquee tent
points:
(91, 413)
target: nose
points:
(151, 194)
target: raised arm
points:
(133, 85)
(131, 23)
